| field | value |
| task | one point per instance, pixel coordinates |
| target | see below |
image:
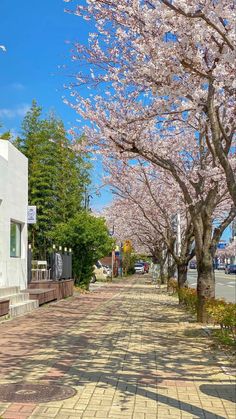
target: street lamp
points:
(87, 199)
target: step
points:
(23, 307)
(43, 295)
(17, 298)
(9, 291)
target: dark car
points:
(230, 269)
(193, 264)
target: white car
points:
(107, 269)
(139, 268)
(99, 272)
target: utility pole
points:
(178, 234)
(112, 264)
(111, 233)
(121, 260)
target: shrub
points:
(222, 313)
(89, 239)
(188, 296)
(219, 311)
(172, 285)
(224, 337)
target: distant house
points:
(13, 216)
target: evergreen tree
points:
(6, 135)
(89, 239)
(57, 175)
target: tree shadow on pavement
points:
(223, 391)
(115, 341)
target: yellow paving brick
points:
(89, 413)
(102, 413)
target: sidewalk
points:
(127, 350)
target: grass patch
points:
(225, 338)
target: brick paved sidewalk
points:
(128, 351)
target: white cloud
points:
(19, 110)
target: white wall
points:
(13, 206)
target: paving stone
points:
(102, 413)
(124, 349)
(89, 413)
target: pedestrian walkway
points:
(126, 349)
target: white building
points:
(13, 216)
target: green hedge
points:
(219, 311)
(222, 313)
(188, 297)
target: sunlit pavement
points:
(225, 284)
(128, 351)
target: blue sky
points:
(35, 34)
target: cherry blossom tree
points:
(148, 191)
(128, 222)
(165, 75)
(190, 165)
(182, 49)
(228, 252)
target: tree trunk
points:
(182, 278)
(204, 254)
(160, 257)
(171, 270)
(205, 284)
(162, 271)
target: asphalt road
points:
(225, 284)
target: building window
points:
(15, 240)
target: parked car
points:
(221, 266)
(99, 272)
(192, 264)
(230, 269)
(139, 268)
(107, 269)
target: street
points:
(225, 284)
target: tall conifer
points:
(57, 175)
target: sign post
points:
(127, 247)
